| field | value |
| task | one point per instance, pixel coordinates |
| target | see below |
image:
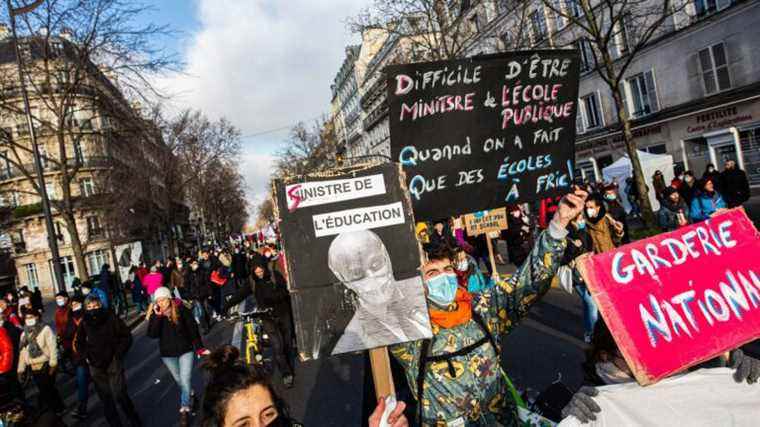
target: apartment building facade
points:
(94, 145)
(693, 92)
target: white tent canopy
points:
(621, 169)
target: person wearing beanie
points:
(173, 325)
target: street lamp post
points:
(51, 235)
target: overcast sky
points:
(263, 64)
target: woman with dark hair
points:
(707, 202)
(238, 396)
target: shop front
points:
(730, 131)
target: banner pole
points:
(494, 272)
(381, 372)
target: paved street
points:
(330, 391)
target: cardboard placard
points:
(352, 260)
(478, 223)
(486, 131)
(680, 298)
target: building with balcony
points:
(692, 92)
(102, 145)
(345, 103)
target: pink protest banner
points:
(680, 298)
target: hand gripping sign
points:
(680, 298)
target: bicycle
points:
(254, 340)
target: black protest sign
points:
(352, 259)
(479, 133)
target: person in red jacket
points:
(6, 355)
(62, 312)
(9, 312)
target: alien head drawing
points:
(361, 262)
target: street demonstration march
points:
(516, 213)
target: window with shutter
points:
(714, 64)
(642, 95)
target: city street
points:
(330, 391)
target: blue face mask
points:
(581, 225)
(442, 289)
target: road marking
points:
(555, 333)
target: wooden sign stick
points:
(494, 272)
(381, 372)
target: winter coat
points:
(6, 352)
(573, 250)
(517, 238)
(14, 334)
(46, 341)
(177, 279)
(478, 390)
(438, 241)
(69, 335)
(603, 235)
(198, 283)
(138, 292)
(705, 205)
(106, 281)
(175, 340)
(10, 316)
(687, 191)
(61, 317)
(239, 265)
(734, 187)
(473, 279)
(101, 342)
(668, 214)
(153, 281)
(618, 213)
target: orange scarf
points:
(460, 314)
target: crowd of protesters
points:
(471, 310)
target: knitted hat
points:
(162, 292)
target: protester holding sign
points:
(610, 367)
(456, 376)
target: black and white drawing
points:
(352, 261)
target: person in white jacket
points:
(39, 353)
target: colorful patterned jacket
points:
(471, 389)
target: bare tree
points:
(615, 32)
(304, 151)
(265, 212)
(200, 153)
(80, 58)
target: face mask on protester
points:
(60, 302)
(95, 316)
(30, 322)
(610, 196)
(462, 265)
(23, 301)
(442, 289)
(581, 224)
(516, 214)
(86, 291)
(591, 212)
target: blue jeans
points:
(590, 311)
(199, 313)
(181, 369)
(83, 386)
